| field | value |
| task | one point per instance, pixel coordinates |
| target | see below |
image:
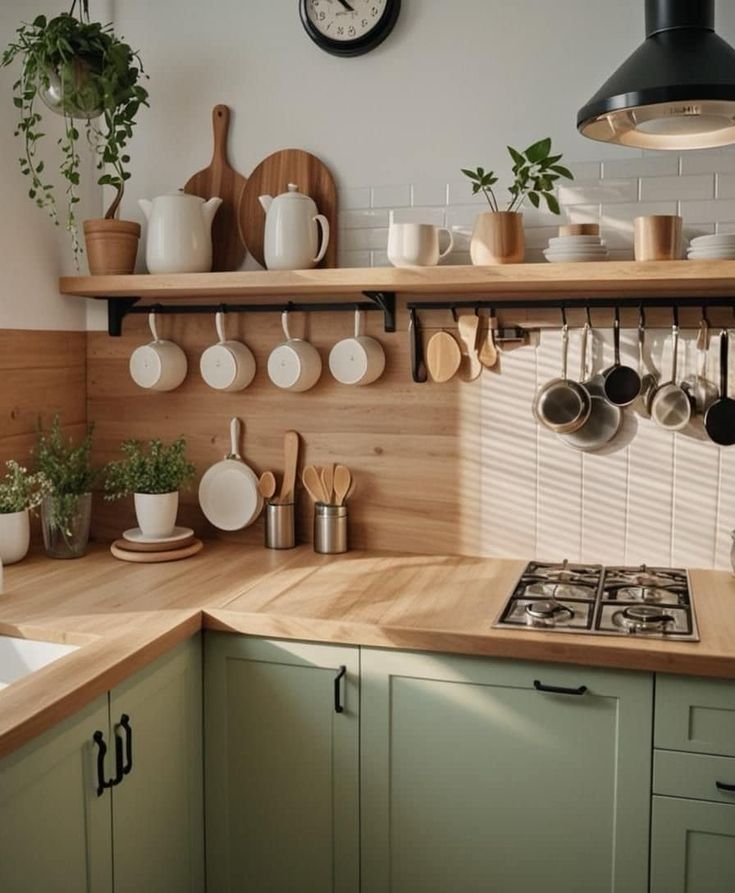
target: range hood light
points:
(676, 91)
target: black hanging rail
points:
(119, 308)
(570, 303)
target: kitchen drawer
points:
(696, 715)
(693, 775)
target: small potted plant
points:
(66, 511)
(497, 237)
(154, 473)
(81, 70)
(20, 493)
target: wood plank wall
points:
(41, 373)
(414, 449)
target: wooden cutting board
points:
(129, 546)
(271, 177)
(443, 356)
(155, 557)
(221, 179)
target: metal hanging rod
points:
(119, 308)
(570, 303)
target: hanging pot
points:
(72, 90)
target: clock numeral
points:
(364, 23)
(340, 30)
(322, 16)
(351, 31)
(374, 11)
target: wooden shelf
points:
(538, 281)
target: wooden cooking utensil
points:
(488, 353)
(267, 484)
(313, 483)
(443, 356)
(155, 557)
(342, 483)
(271, 177)
(221, 179)
(130, 546)
(290, 461)
(469, 327)
(328, 481)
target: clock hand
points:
(347, 6)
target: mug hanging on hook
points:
(228, 365)
(160, 365)
(358, 360)
(295, 364)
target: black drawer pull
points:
(721, 786)
(338, 708)
(558, 690)
(99, 740)
(123, 768)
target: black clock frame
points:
(360, 45)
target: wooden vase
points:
(497, 238)
(658, 237)
(112, 246)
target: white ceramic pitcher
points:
(179, 233)
(291, 240)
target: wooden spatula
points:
(443, 356)
(328, 481)
(469, 325)
(290, 460)
(342, 483)
(267, 485)
(313, 483)
(488, 352)
(221, 179)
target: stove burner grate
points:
(642, 618)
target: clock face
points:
(349, 27)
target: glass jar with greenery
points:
(153, 472)
(67, 510)
(20, 493)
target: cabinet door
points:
(473, 780)
(692, 846)
(54, 829)
(158, 808)
(281, 766)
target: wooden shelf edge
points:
(665, 278)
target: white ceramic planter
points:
(15, 536)
(156, 513)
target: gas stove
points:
(654, 602)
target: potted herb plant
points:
(154, 473)
(497, 236)
(81, 70)
(20, 492)
(66, 511)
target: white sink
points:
(19, 657)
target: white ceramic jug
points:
(179, 233)
(291, 240)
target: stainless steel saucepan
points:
(562, 405)
(671, 407)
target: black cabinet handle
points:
(721, 786)
(123, 765)
(338, 708)
(558, 690)
(99, 740)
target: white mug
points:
(295, 365)
(357, 360)
(160, 365)
(227, 365)
(416, 244)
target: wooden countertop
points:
(126, 615)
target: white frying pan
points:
(228, 492)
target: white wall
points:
(33, 253)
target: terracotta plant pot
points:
(497, 238)
(112, 246)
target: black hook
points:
(589, 315)
(563, 314)
(477, 310)
(675, 312)
(705, 317)
(641, 316)
(453, 311)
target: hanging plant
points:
(82, 71)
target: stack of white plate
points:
(720, 247)
(573, 249)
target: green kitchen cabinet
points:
(476, 776)
(692, 846)
(281, 766)
(54, 829)
(59, 833)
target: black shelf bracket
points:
(117, 310)
(386, 300)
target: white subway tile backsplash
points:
(356, 239)
(677, 188)
(594, 191)
(657, 166)
(726, 185)
(712, 210)
(358, 197)
(429, 193)
(435, 216)
(585, 170)
(353, 258)
(363, 219)
(708, 161)
(391, 196)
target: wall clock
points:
(348, 27)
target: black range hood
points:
(676, 91)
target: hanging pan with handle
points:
(671, 407)
(622, 384)
(228, 492)
(562, 405)
(719, 420)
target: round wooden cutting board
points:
(271, 177)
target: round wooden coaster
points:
(155, 557)
(129, 546)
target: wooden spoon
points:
(469, 325)
(313, 483)
(488, 353)
(443, 356)
(291, 458)
(328, 481)
(342, 483)
(267, 484)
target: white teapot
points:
(179, 233)
(291, 240)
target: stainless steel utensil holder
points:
(280, 528)
(330, 528)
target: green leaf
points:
(562, 171)
(534, 199)
(516, 156)
(552, 203)
(471, 174)
(538, 151)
